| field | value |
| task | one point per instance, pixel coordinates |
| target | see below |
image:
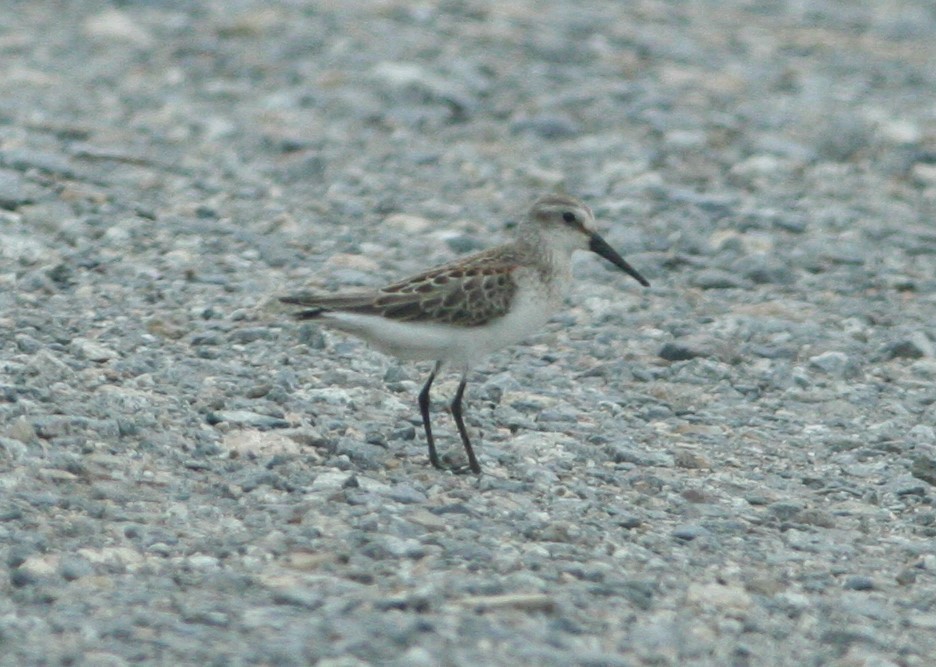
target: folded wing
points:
(470, 292)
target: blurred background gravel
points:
(735, 467)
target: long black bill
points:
(598, 245)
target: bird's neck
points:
(555, 268)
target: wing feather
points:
(468, 292)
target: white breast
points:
(459, 346)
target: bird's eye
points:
(569, 217)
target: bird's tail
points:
(316, 304)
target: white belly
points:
(458, 346)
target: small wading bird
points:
(457, 313)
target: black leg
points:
(457, 413)
(424, 409)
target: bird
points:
(457, 313)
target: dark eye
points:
(569, 217)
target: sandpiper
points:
(457, 313)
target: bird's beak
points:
(598, 245)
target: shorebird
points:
(457, 313)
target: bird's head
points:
(566, 224)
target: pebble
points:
(523, 602)
(246, 418)
(916, 346)
(403, 493)
(859, 583)
(115, 24)
(547, 127)
(250, 334)
(716, 279)
(762, 269)
(23, 430)
(689, 532)
(24, 159)
(12, 190)
(731, 597)
(832, 363)
(411, 224)
(698, 345)
(92, 351)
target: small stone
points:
(363, 454)
(12, 190)
(906, 577)
(24, 159)
(816, 517)
(924, 173)
(673, 351)
(250, 334)
(412, 224)
(403, 493)
(202, 562)
(689, 532)
(698, 345)
(547, 127)
(691, 460)
(396, 373)
(924, 621)
(859, 583)
(246, 418)
(543, 178)
(117, 25)
(75, 567)
(391, 546)
(259, 443)
(831, 363)
(463, 244)
(414, 81)
(92, 351)
(623, 453)
(916, 346)
(299, 597)
(312, 336)
(540, 602)
(304, 166)
(845, 254)
(923, 434)
(655, 412)
(23, 430)
(784, 510)
(20, 578)
(417, 656)
(758, 166)
(27, 344)
(258, 390)
(716, 279)
(165, 328)
(924, 468)
(763, 269)
(722, 596)
(842, 136)
(40, 565)
(331, 481)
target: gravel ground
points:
(734, 467)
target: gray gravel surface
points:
(734, 467)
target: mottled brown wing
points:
(470, 292)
